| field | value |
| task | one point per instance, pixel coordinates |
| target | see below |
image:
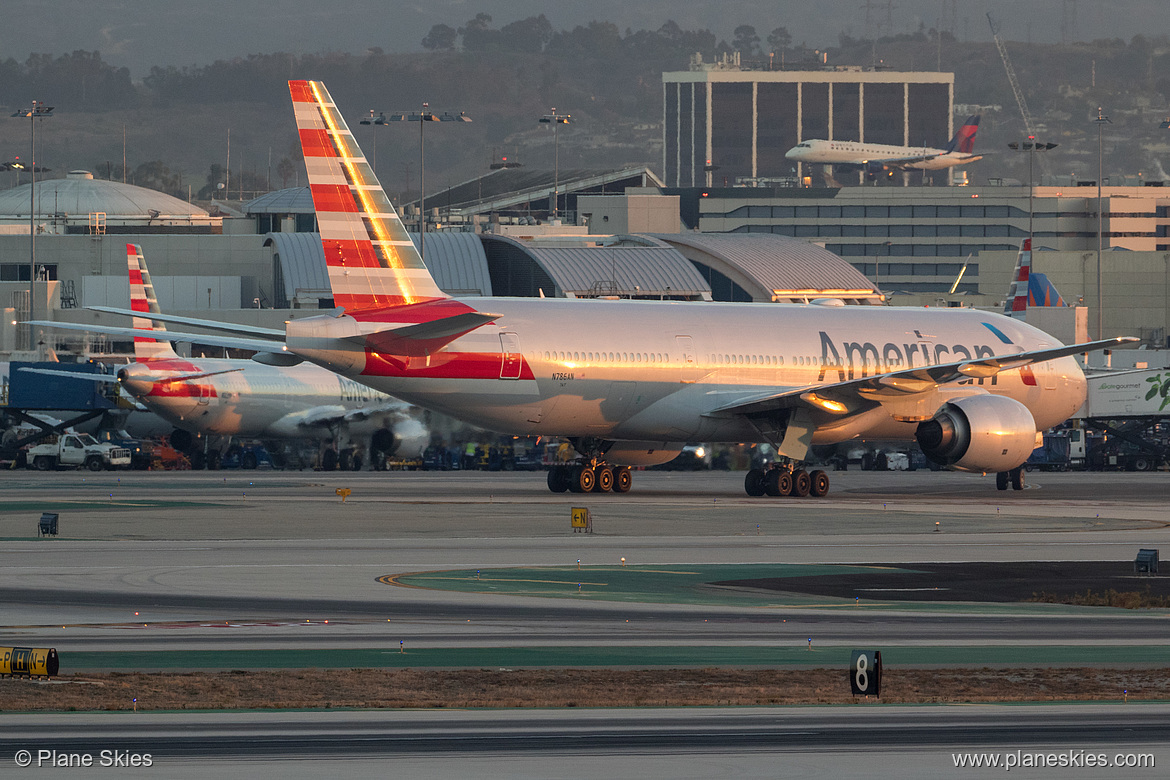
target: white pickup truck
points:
(74, 450)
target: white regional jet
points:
(628, 382)
(242, 398)
(875, 158)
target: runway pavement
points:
(172, 563)
(863, 741)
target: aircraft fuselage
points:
(639, 370)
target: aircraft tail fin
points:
(371, 260)
(1042, 292)
(964, 140)
(142, 299)
(1016, 303)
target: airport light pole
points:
(1100, 121)
(1031, 146)
(38, 110)
(376, 121)
(555, 119)
(423, 116)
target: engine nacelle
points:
(979, 433)
(383, 440)
(642, 453)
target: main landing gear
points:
(779, 480)
(1015, 477)
(589, 478)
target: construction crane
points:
(1011, 74)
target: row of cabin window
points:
(609, 357)
(659, 357)
(800, 360)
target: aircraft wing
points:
(241, 330)
(230, 342)
(112, 379)
(336, 414)
(901, 162)
(840, 398)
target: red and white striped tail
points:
(142, 299)
(372, 261)
(1016, 304)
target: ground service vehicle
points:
(75, 450)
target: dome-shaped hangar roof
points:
(81, 193)
(775, 268)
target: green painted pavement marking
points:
(691, 584)
(100, 502)
(589, 656)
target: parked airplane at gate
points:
(242, 398)
(628, 382)
(875, 158)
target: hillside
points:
(175, 124)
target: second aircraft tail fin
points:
(142, 299)
(964, 140)
(1016, 303)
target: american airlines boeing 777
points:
(629, 382)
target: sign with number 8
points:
(865, 673)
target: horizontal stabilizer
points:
(230, 342)
(227, 327)
(424, 338)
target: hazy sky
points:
(140, 33)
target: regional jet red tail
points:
(142, 299)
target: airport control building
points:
(723, 126)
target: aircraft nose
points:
(792, 154)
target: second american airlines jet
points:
(220, 398)
(874, 158)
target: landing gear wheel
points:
(582, 479)
(248, 461)
(198, 460)
(604, 478)
(778, 482)
(1001, 480)
(214, 460)
(819, 486)
(329, 460)
(801, 484)
(1017, 477)
(558, 479)
(753, 483)
(623, 480)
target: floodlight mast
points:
(38, 111)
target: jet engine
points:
(979, 433)
(642, 453)
(384, 440)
